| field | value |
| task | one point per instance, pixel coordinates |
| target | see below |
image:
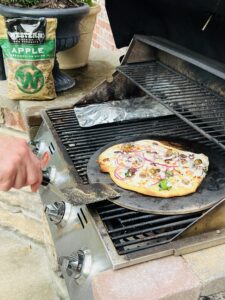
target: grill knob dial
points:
(49, 175)
(63, 214)
(77, 265)
(34, 146)
(55, 211)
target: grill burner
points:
(192, 102)
(130, 231)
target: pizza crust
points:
(180, 169)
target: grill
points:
(192, 102)
(176, 57)
(129, 231)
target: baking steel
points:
(211, 190)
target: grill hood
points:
(179, 21)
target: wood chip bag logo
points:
(29, 47)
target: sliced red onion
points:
(123, 156)
(117, 175)
(155, 163)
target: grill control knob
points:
(34, 145)
(45, 177)
(49, 175)
(77, 265)
(63, 213)
(55, 211)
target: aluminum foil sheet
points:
(120, 110)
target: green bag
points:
(29, 47)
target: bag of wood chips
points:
(28, 46)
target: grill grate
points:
(130, 231)
(81, 143)
(192, 102)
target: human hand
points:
(18, 165)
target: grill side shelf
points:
(195, 104)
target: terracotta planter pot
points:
(77, 56)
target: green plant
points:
(89, 2)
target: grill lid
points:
(179, 21)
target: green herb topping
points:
(164, 185)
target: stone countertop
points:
(25, 115)
(29, 269)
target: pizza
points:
(154, 168)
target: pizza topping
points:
(106, 159)
(169, 173)
(130, 172)
(128, 147)
(185, 181)
(169, 152)
(144, 173)
(118, 174)
(130, 160)
(165, 185)
(197, 162)
(167, 161)
(183, 161)
(152, 168)
(154, 171)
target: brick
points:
(13, 119)
(168, 278)
(209, 266)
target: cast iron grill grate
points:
(80, 143)
(198, 106)
(129, 231)
(132, 231)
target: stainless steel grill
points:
(129, 231)
(192, 102)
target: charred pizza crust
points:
(152, 168)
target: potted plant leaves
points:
(68, 14)
(77, 56)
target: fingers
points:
(18, 165)
(34, 172)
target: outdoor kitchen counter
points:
(25, 115)
(201, 273)
(29, 269)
